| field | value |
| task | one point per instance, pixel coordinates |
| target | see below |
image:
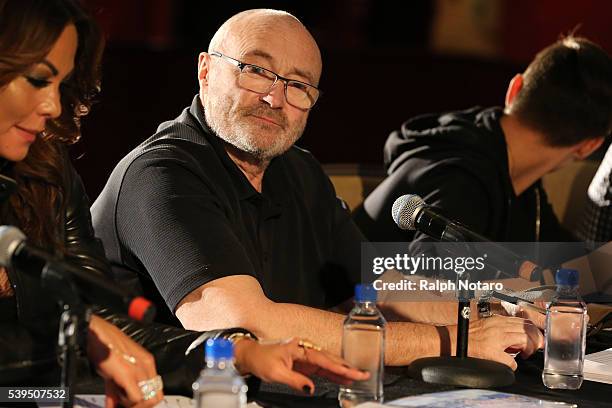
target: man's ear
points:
(515, 86)
(203, 69)
(586, 147)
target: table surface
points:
(398, 384)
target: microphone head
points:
(405, 209)
(10, 238)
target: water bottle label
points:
(219, 400)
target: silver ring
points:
(149, 388)
(151, 394)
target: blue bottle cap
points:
(217, 349)
(566, 277)
(365, 293)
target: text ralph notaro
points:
(436, 285)
(412, 264)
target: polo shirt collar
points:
(275, 184)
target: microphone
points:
(411, 213)
(16, 253)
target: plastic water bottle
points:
(566, 320)
(363, 347)
(219, 385)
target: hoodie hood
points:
(468, 139)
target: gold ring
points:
(308, 345)
(129, 358)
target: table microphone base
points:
(467, 372)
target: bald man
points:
(221, 216)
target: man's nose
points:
(276, 95)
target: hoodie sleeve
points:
(457, 195)
(455, 192)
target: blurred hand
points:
(526, 269)
(122, 363)
(492, 336)
(6, 290)
(288, 363)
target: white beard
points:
(232, 125)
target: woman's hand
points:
(289, 363)
(123, 364)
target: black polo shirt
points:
(177, 213)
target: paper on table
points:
(598, 366)
(470, 398)
(170, 401)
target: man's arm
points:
(238, 301)
(418, 306)
(444, 311)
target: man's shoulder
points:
(304, 175)
(176, 139)
(176, 142)
(182, 136)
(300, 157)
(303, 163)
(471, 137)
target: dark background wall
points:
(383, 62)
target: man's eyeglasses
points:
(261, 80)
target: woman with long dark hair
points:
(49, 72)
(50, 53)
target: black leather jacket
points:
(29, 321)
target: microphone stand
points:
(463, 317)
(74, 324)
(460, 369)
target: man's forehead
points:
(288, 43)
(304, 67)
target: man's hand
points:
(122, 363)
(489, 338)
(288, 363)
(526, 311)
(535, 312)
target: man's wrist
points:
(484, 308)
(487, 308)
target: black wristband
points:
(536, 274)
(484, 308)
